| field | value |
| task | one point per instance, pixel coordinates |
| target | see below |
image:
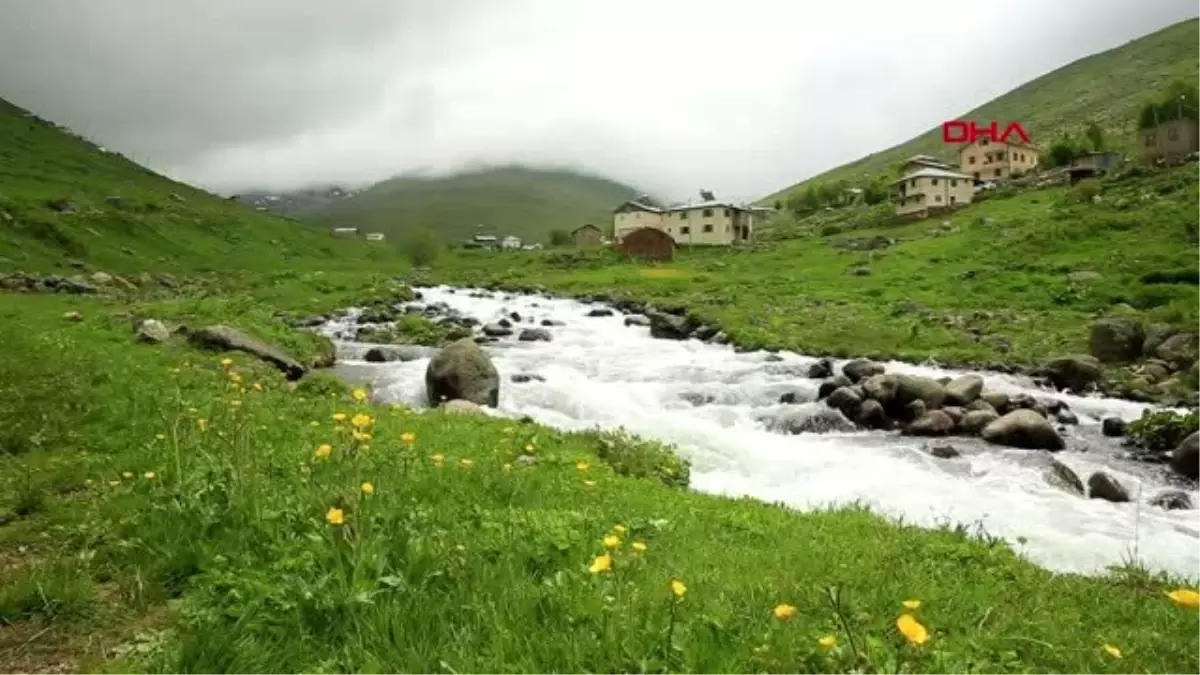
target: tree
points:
(875, 192)
(1095, 136)
(1062, 151)
(778, 205)
(1179, 100)
(421, 246)
(559, 237)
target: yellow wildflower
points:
(202, 424)
(235, 403)
(529, 447)
(828, 642)
(1112, 651)
(911, 604)
(114, 483)
(460, 548)
(582, 466)
(639, 547)
(1185, 597)
(339, 417)
(506, 467)
(438, 459)
(785, 611)
(367, 488)
(258, 386)
(408, 438)
(508, 430)
(678, 588)
(602, 563)
(360, 437)
(323, 450)
(149, 475)
(619, 529)
(361, 421)
(335, 516)
(226, 363)
(465, 463)
(161, 437)
(234, 377)
(358, 395)
(127, 474)
(589, 483)
(612, 541)
(911, 629)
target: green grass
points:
(526, 202)
(1000, 268)
(143, 226)
(1108, 88)
(466, 568)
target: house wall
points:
(628, 221)
(1171, 141)
(701, 226)
(586, 236)
(927, 193)
(996, 161)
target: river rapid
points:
(596, 371)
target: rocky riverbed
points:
(998, 451)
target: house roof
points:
(930, 172)
(1010, 144)
(638, 205)
(706, 205)
(584, 227)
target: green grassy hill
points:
(521, 201)
(62, 198)
(1108, 88)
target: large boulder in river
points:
(1172, 500)
(387, 354)
(974, 421)
(809, 420)
(1076, 372)
(1023, 428)
(871, 415)
(963, 390)
(534, 335)
(1115, 339)
(916, 388)
(861, 369)
(832, 384)
(1179, 350)
(844, 399)
(881, 388)
(932, 423)
(226, 338)
(1103, 486)
(464, 371)
(669, 326)
(1184, 458)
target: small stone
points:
(1103, 486)
(1113, 427)
(72, 316)
(944, 451)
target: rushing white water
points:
(597, 371)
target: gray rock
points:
(403, 353)
(944, 451)
(496, 330)
(227, 338)
(845, 400)
(552, 322)
(932, 423)
(1116, 339)
(462, 370)
(998, 401)
(1065, 416)
(525, 460)
(152, 331)
(101, 278)
(914, 410)
(534, 335)
(810, 420)
(982, 405)
(521, 378)
(1184, 457)
(1063, 476)
(915, 388)
(1023, 428)
(72, 315)
(697, 398)
(975, 420)
(1173, 500)
(881, 388)
(600, 311)
(861, 369)
(1156, 334)
(963, 390)
(637, 320)
(1179, 350)
(1113, 427)
(1075, 372)
(1103, 486)
(871, 415)
(669, 326)
(461, 407)
(956, 413)
(821, 369)
(828, 386)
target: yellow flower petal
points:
(225, 363)
(911, 604)
(507, 467)
(828, 642)
(323, 450)
(639, 547)
(602, 563)
(359, 395)
(784, 611)
(367, 488)
(339, 417)
(335, 516)
(1185, 597)
(1112, 651)
(589, 483)
(582, 466)
(678, 588)
(619, 529)
(612, 541)
(465, 463)
(408, 438)
(149, 475)
(911, 629)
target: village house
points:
(587, 236)
(510, 243)
(1091, 164)
(988, 160)
(707, 223)
(1171, 141)
(375, 236)
(928, 190)
(918, 162)
(345, 231)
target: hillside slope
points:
(1109, 88)
(63, 198)
(521, 201)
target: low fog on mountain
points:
(741, 97)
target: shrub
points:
(1086, 190)
(559, 237)
(631, 456)
(1161, 431)
(421, 246)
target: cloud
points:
(739, 97)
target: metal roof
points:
(931, 172)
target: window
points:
(953, 182)
(997, 173)
(670, 231)
(1172, 133)
(685, 230)
(934, 181)
(976, 175)
(937, 198)
(708, 213)
(726, 228)
(983, 141)
(727, 212)
(953, 199)
(913, 183)
(972, 159)
(708, 227)
(683, 215)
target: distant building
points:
(510, 242)
(707, 223)
(648, 243)
(1091, 164)
(996, 161)
(344, 231)
(1171, 142)
(531, 247)
(930, 190)
(918, 162)
(375, 236)
(587, 236)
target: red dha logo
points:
(958, 131)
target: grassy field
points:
(520, 201)
(1108, 88)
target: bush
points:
(1161, 431)
(559, 237)
(631, 456)
(421, 246)
(1181, 275)
(1086, 190)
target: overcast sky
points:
(742, 97)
